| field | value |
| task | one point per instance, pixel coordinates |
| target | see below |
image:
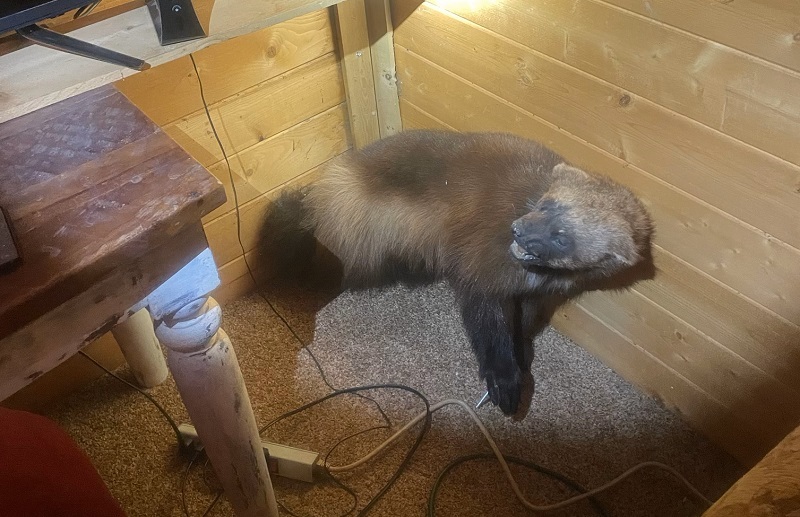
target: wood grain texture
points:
(678, 394)
(27, 75)
(88, 189)
(280, 158)
(758, 398)
(357, 71)
(74, 373)
(381, 45)
(757, 335)
(278, 102)
(699, 234)
(746, 183)
(688, 322)
(29, 351)
(253, 115)
(222, 232)
(234, 275)
(170, 91)
(770, 488)
(764, 28)
(727, 90)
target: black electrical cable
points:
(406, 459)
(250, 271)
(183, 483)
(334, 478)
(335, 392)
(181, 444)
(213, 504)
(303, 345)
(596, 505)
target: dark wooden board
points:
(90, 185)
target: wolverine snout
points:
(527, 245)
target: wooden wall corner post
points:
(137, 340)
(384, 68)
(359, 85)
(206, 371)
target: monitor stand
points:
(55, 40)
(9, 255)
(175, 21)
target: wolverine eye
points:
(560, 239)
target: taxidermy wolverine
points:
(503, 219)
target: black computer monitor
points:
(15, 14)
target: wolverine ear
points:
(624, 251)
(626, 259)
(564, 168)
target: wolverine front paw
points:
(504, 391)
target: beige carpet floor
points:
(585, 421)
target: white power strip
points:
(282, 460)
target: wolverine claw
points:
(504, 393)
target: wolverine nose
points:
(516, 228)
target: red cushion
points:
(44, 473)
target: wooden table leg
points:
(142, 351)
(204, 365)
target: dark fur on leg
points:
(392, 271)
(490, 326)
(286, 243)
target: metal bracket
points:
(175, 21)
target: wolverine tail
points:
(286, 240)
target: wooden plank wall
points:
(278, 102)
(695, 106)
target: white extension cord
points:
(504, 464)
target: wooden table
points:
(106, 210)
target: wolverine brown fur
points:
(503, 219)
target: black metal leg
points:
(69, 44)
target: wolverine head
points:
(582, 223)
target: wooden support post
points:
(206, 371)
(384, 69)
(142, 351)
(772, 487)
(359, 85)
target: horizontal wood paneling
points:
(229, 67)
(315, 141)
(266, 165)
(257, 113)
(744, 182)
(690, 229)
(739, 386)
(637, 365)
(234, 274)
(713, 84)
(716, 334)
(42, 77)
(764, 28)
(663, 316)
(277, 100)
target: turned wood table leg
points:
(204, 365)
(139, 345)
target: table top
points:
(89, 184)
